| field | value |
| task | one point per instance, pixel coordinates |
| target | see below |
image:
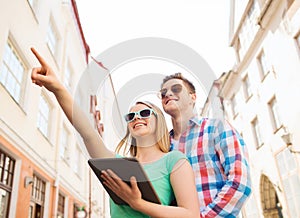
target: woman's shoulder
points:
(176, 154)
(173, 157)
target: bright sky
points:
(199, 24)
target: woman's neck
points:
(146, 154)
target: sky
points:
(199, 24)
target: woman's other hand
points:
(130, 194)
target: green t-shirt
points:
(158, 173)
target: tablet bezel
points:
(125, 168)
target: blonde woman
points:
(147, 139)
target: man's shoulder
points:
(207, 121)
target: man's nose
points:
(169, 92)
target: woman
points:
(147, 137)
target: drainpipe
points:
(85, 45)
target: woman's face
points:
(140, 126)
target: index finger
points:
(39, 57)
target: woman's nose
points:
(136, 116)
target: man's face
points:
(176, 97)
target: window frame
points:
(263, 65)
(34, 6)
(19, 80)
(49, 115)
(61, 204)
(297, 41)
(65, 133)
(77, 160)
(9, 166)
(52, 38)
(256, 129)
(68, 75)
(275, 116)
(284, 159)
(38, 194)
(247, 88)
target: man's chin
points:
(171, 109)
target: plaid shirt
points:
(218, 156)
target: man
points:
(214, 148)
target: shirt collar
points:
(196, 120)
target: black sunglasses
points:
(144, 113)
(177, 88)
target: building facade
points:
(43, 164)
(259, 96)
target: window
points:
(238, 50)
(36, 208)
(287, 166)
(248, 29)
(12, 71)
(61, 206)
(297, 38)
(76, 165)
(7, 166)
(253, 12)
(75, 209)
(233, 105)
(264, 65)
(257, 132)
(247, 87)
(67, 78)
(289, 3)
(33, 4)
(64, 151)
(274, 113)
(236, 103)
(43, 116)
(52, 38)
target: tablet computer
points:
(125, 168)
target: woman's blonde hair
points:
(161, 131)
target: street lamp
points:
(287, 138)
(81, 213)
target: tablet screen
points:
(125, 168)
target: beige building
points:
(259, 96)
(43, 164)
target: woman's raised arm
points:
(44, 76)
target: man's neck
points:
(180, 123)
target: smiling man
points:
(214, 148)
